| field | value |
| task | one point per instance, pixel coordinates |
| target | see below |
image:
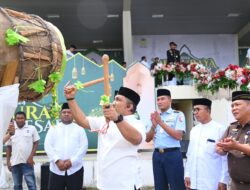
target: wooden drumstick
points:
(105, 62)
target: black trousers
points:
(71, 182)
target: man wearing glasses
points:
(205, 169)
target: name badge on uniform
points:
(170, 119)
(233, 132)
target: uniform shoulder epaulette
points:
(177, 111)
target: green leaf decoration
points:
(13, 38)
(79, 85)
(104, 100)
(55, 77)
(54, 112)
(38, 86)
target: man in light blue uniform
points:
(167, 130)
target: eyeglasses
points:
(196, 110)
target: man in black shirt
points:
(173, 55)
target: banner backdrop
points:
(222, 48)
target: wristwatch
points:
(119, 119)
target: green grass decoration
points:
(55, 77)
(38, 86)
(13, 38)
(104, 100)
(79, 85)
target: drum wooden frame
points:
(34, 60)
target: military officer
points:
(167, 130)
(173, 55)
(236, 142)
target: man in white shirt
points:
(120, 135)
(144, 62)
(66, 144)
(205, 169)
(248, 56)
(70, 51)
(22, 145)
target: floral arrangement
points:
(232, 77)
(162, 71)
(159, 72)
(181, 70)
(201, 76)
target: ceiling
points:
(82, 21)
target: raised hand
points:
(157, 117)
(69, 91)
(152, 117)
(110, 112)
(11, 128)
(227, 144)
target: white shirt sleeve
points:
(53, 157)
(188, 154)
(77, 158)
(96, 123)
(181, 122)
(248, 53)
(36, 137)
(138, 125)
(148, 126)
(142, 129)
(224, 169)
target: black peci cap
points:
(163, 92)
(130, 94)
(240, 95)
(202, 101)
(65, 106)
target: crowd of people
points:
(215, 152)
